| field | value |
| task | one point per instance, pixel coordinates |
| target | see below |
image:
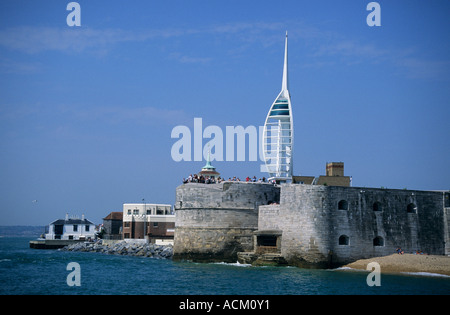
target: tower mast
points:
(284, 85)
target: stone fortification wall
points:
(447, 230)
(216, 221)
(325, 225)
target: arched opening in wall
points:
(411, 208)
(344, 240)
(377, 206)
(343, 205)
(378, 241)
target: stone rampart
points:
(329, 225)
(447, 229)
(216, 221)
(312, 225)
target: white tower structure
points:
(278, 135)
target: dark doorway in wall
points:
(266, 240)
(377, 206)
(343, 240)
(343, 205)
(411, 208)
(378, 241)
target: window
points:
(377, 206)
(59, 229)
(129, 211)
(126, 235)
(126, 224)
(149, 211)
(343, 240)
(411, 208)
(343, 205)
(378, 241)
(75, 227)
(135, 211)
(86, 228)
(159, 211)
(155, 224)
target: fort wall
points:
(447, 230)
(330, 225)
(216, 221)
(312, 225)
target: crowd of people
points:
(201, 179)
(401, 252)
(211, 180)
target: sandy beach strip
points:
(407, 263)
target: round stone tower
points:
(214, 222)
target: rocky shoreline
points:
(123, 248)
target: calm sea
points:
(32, 271)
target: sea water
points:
(35, 271)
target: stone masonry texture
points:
(314, 218)
(216, 221)
(321, 226)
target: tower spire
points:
(284, 85)
(278, 133)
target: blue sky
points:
(86, 113)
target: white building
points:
(148, 221)
(71, 229)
